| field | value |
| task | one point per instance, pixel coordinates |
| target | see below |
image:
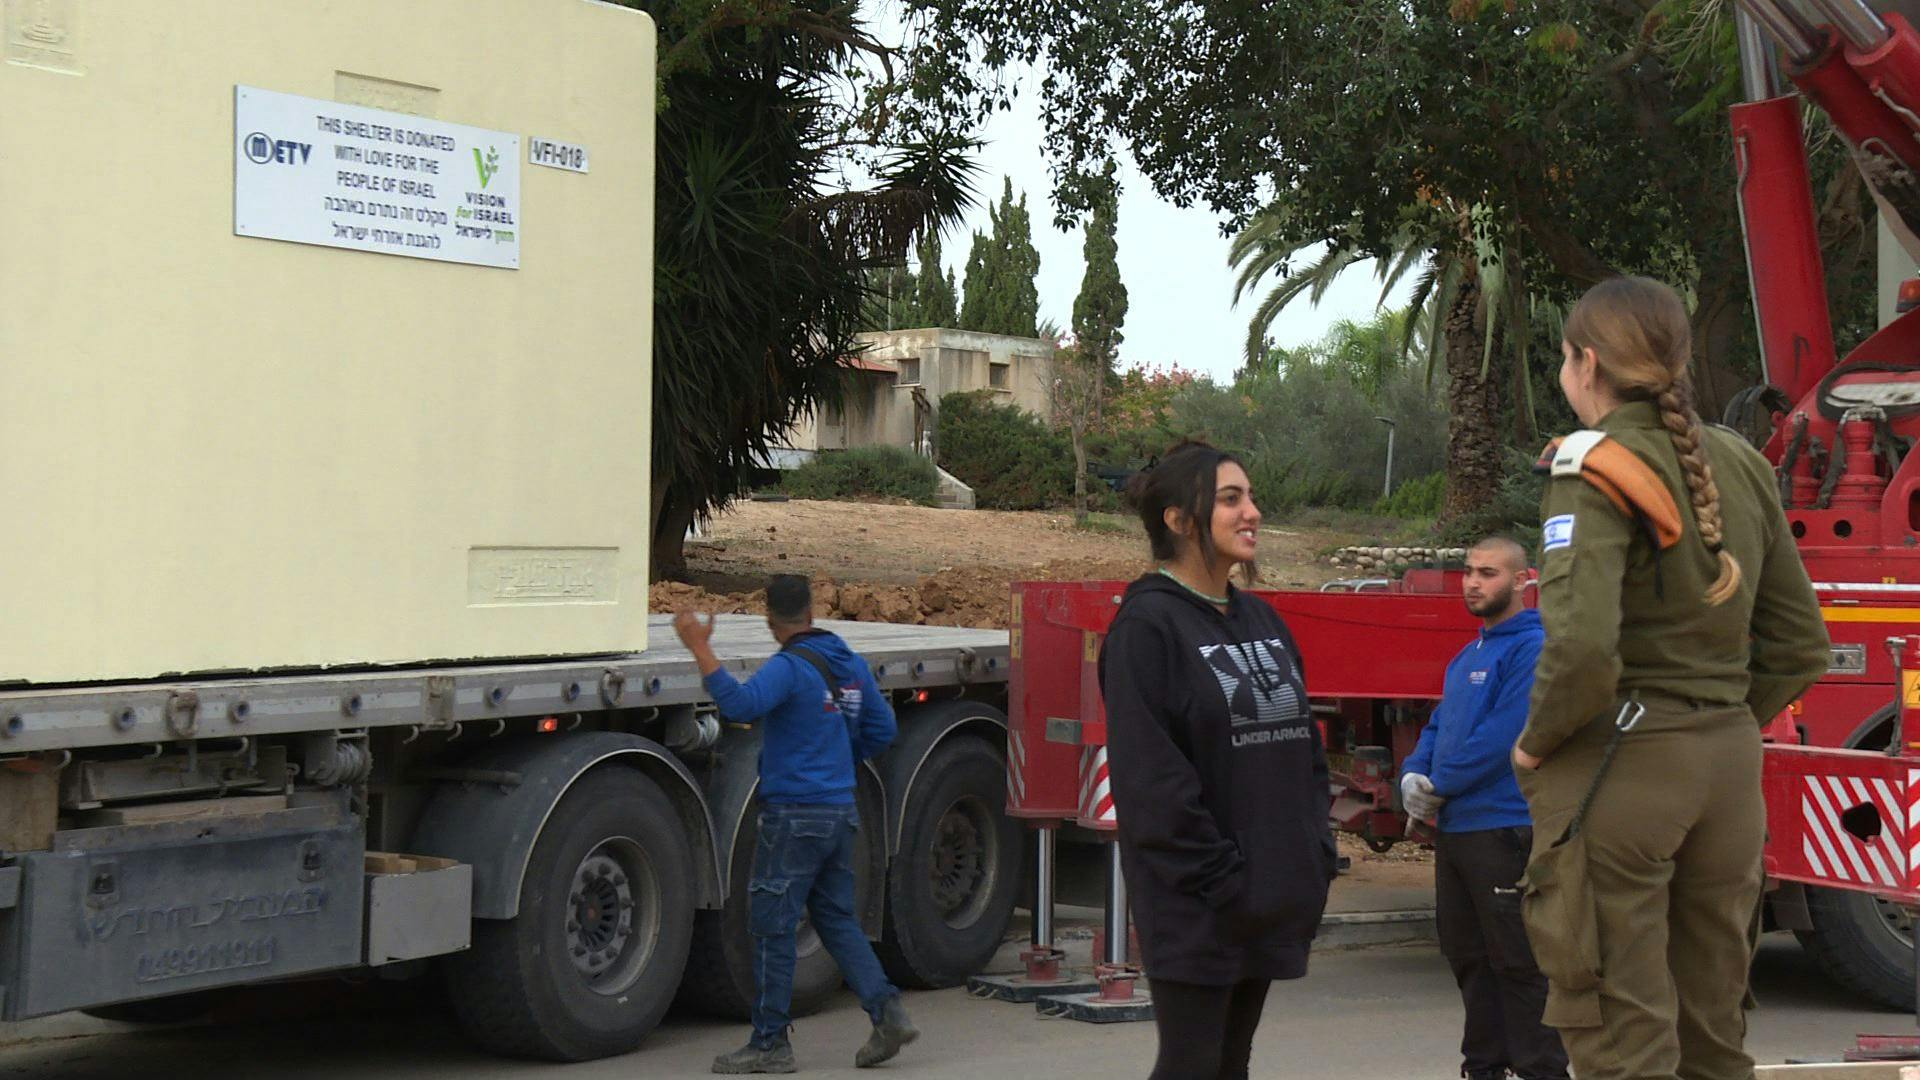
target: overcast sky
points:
(1173, 261)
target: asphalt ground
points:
(1379, 1011)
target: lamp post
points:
(1387, 488)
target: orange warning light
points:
(549, 723)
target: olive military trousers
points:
(1644, 921)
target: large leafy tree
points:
(1001, 296)
(1560, 140)
(762, 257)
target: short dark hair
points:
(789, 599)
(1514, 550)
(1186, 479)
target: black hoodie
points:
(1219, 785)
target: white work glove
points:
(1417, 792)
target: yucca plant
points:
(762, 255)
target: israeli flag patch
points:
(1557, 533)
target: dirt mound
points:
(957, 596)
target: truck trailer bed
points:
(441, 695)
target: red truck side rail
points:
(1374, 661)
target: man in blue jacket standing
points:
(1462, 774)
(821, 713)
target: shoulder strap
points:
(820, 665)
(833, 688)
(1619, 474)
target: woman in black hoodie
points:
(1219, 778)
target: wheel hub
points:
(1898, 920)
(959, 860)
(601, 909)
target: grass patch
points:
(1114, 524)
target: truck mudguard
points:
(922, 728)
(730, 791)
(493, 820)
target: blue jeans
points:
(804, 862)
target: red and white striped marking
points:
(1834, 853)
(1096, 788)
(1016, 769)
(1913, 828)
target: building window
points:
(910, 372)
(1000, 376)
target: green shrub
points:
(1420, 498)
(883, 472)
(1010, 459)
(1283, 483)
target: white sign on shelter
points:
(320, 172)
(557, 155)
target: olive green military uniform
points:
(1643, 922)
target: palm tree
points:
(1469, 309)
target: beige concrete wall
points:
(879, 408)
(234, 452)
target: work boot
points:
(892, 1031)
(777, 1058)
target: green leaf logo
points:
(487, 166)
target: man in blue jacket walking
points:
(821, 713)
(1462, 774)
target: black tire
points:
(719, 978)
(1864, 944)
(592, 961)
(952, 884)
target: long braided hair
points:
(1638, 329)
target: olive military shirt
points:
(1615, 626)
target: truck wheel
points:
(591, 963)
(720, 973)
(1864, 943)
(951, 887)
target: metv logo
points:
(262, 149)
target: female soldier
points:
(1219, 779)
(1642, 890)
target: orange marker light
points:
(1909, 297)
(549, 723)
(920, 697)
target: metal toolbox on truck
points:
(417, 906)
(129, 912)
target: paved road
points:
(1369, 1013)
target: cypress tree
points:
(1001, 294)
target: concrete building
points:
(894, 388)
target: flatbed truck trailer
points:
(568, 839)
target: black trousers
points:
(1206, 1032)
(1482, 937)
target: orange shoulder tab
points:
(1632, 485)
